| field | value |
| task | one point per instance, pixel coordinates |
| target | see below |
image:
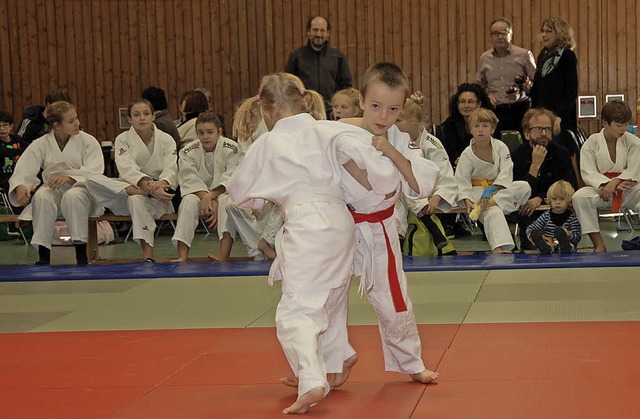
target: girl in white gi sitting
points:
(413, 121)
(67, 156)
(485, 181)
(557, 229)
(146, 161)
(297, 165)
(610, 166)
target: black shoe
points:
(439, 240)
(543, 246)
(563, 240)
(81, 254)
(459, 230)
(150, 260)
(44, 256)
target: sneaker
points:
(538, 239)
(563, 240)
(633, 244)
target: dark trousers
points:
(510, 117)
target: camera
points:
(170, 190)
(518, 80)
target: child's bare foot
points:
(305, 401)
(266, 249)
(179, 260)
(290, 380)
(217, 258)
(500, 251)
(425, 376)
(599, 249)
(340, 378)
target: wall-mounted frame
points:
(587, 107)
(617, 96)
(122, 118)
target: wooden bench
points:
(93, 250)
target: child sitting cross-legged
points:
(557, 229)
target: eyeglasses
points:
(467, 102)
(499, 34)
(4, 125)
(540, 130)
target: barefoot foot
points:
(179, 260)
(290, 380)
(216, 258)
(340, 378)
(425, 376)
(305, 401)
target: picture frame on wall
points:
(122, 118)
(587, 107)
(616, 96)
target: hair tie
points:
(302, 91)
(258, 97)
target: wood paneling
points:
(106, 51)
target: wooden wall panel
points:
(106, 51)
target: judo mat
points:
(509, 370)
(10, 273)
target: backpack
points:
(417, 240)
(62, 237)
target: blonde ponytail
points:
(246, 119)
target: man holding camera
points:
(506, 71)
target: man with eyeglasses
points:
(540, 162)
(506, 72)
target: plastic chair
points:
(512, 139)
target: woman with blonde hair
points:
(555, 84)
(67, 157)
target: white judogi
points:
(446, 185)
(499, 173)
(200, 170)
(298, 167)
(187, 131)
(398, 330)
(595, 161)
(266, 222)
(136, 161)
(81, 157)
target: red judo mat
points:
(523, 370)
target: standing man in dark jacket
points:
(540, 162)
(320, 67)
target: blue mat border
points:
(140, 270)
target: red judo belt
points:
(394, 283)
(616, 203)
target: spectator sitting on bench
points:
(540, 162)
(146, 161)
(67, 157)
(609, 164)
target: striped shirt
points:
(548, 222)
